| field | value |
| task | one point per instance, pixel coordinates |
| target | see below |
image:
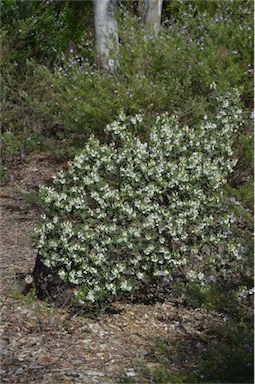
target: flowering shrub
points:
(131, 212)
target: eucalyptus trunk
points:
(106, 33)
(152, 15)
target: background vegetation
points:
(54, 95)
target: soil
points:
(42, 343)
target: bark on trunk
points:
(152, 14)
(106, 31)
(48, 284)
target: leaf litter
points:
(41, 343)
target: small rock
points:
(76, 362)
(94, 373)
(19, 371)
(131, 373)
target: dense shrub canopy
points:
(129, 212)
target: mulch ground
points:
(41, 343)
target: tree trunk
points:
(105, 24)
(106, 31)
(152, 14)
(48, 284)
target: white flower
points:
(90, 296)
(125, 212)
